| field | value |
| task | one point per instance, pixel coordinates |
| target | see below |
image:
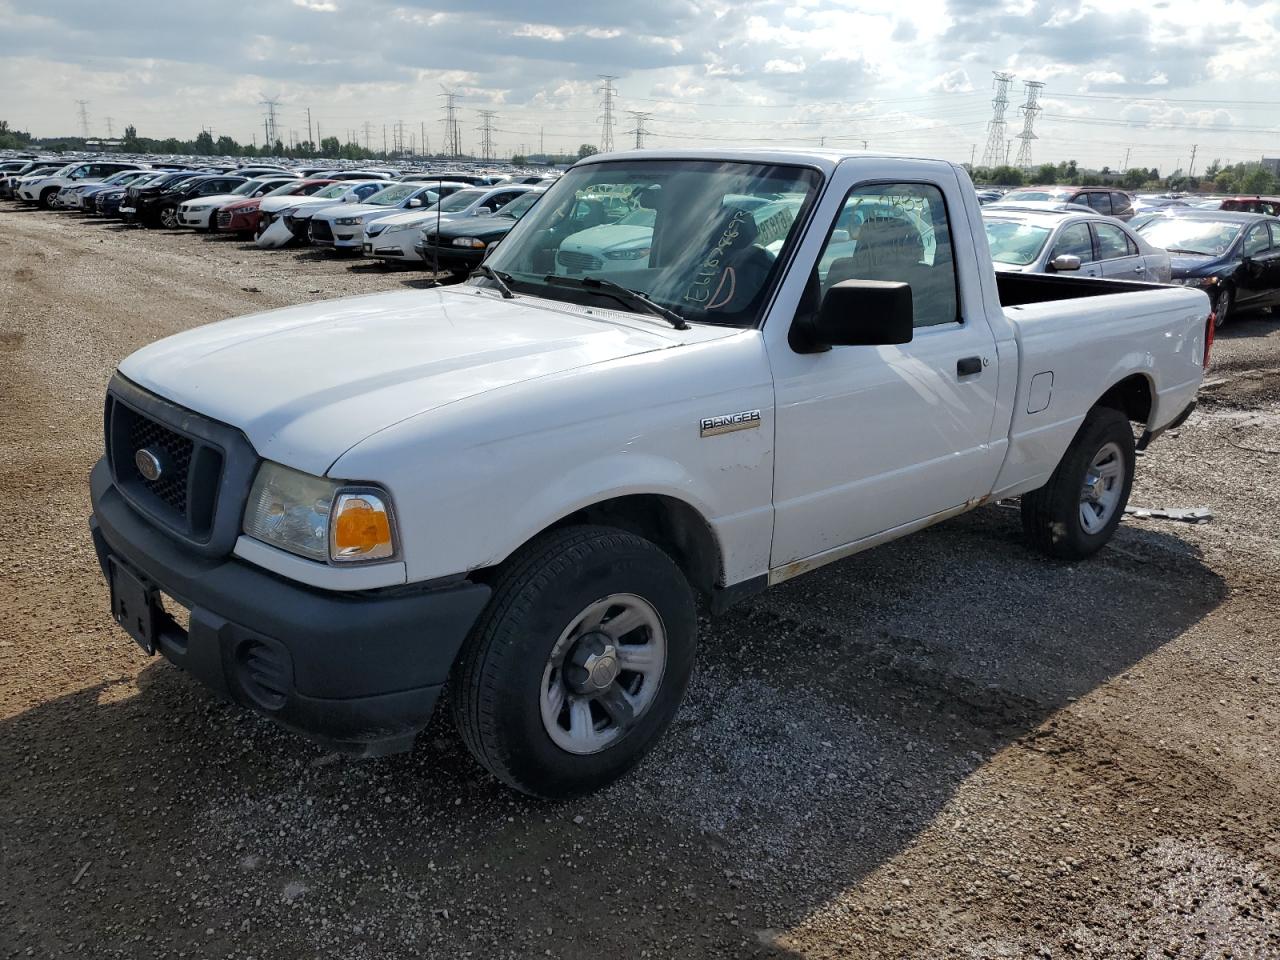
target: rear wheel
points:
(578, 664)
(1222, 303)
(1077, 511)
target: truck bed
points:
(1019, 289)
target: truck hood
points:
(307, 383)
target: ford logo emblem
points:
(148, 465)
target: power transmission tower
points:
(1030, 110)
(486, 134)
(84, 118)
(1191, 167)
(640, 130)
(542, 144)
(452, 136)
(607, 92)
(273, 133)
(995, 129)
(366, 129)
(309, 140)
(110, 132)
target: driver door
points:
(871, 438)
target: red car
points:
(243, 217)
(1267, 205)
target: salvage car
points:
(80, 197)
(200, 211)
(471, 202)
(9, 184)
(1056, 241)
(1233, 257)
(1112, 203)
(299, 210)
(341, 227)
(518, 485)
(245, 217)
(459, 245)
(156, 204)
(43, 189)
(393, 238)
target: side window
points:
(1100, 202)
(1256, 240)
(1120, 204)
(1074, 241)
(368, 190)
(1275, 237)
(1112, 243)
(897, 232)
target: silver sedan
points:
(1058, 239)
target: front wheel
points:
(1222, 302)
(1077, 511)
(169, 217)
(578, 664)
(46, 197)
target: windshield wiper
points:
(620, 293)
(499, 279)
(1194, 253)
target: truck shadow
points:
(830, 721)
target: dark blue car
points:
(1233, 257)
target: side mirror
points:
(415, 202)
(482, 212)
(861, 313)
(1065, 262)
(840, 236)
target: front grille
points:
(320, 230)
(224, 219)
(173, 451)
(578, 261)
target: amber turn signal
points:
(360, 526)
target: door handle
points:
(1139, 269)
(968, 366)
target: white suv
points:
(42, 190)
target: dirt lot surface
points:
(946, 747)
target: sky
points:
(1148, 81)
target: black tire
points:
(167, 216)
(1222, 302)
(496, 684)
(46, 197)
(1051, 516)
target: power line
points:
(607, 92)
(995, 129)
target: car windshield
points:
(246, 189)
(1207, 238)
(333, 191)
(518, 207)
(1015, 243)
(286, 189)
(393, 195)
(700, 238)
(460, 200)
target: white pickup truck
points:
(517, 487)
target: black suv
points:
(156, 204)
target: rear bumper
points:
(357, 672)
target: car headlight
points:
(349, 221)
(473, 243)
(398, 228)
(639, 254)
(1196, 281)
(318, 518)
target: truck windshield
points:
(1206, 238)
(701, 238)
(1015, 243)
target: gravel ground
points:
(946, 747)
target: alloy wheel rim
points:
(1103, 484)
(603, 674)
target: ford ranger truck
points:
(518, 487)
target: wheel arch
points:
(1134, 396)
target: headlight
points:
(474, 243)
(349, 221)
(399, 228)
(627, 254)
(1196, 281)
(318, 518)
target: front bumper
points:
(358, 672)
(450, 258)
(194, 218)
